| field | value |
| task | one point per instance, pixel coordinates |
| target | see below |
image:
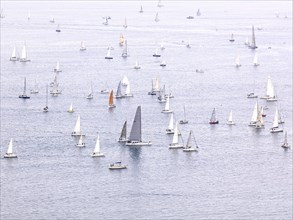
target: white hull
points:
(112, 106)
(10, 155)
(166, 111)
(24, 60)
(136, 143)
(80, 145)
(175, 146)
(122, 140)
(189, 149)
(276, 130)
(128, 95)
(117, 167)
(252, 124)
(76, 134)
(13, 59)
(230, 123)
(272, 99)
(97, 155)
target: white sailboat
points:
(270, 94)
(80, 142)
(252, 45)
(135, 138)
(24, 95)
(162, 46)
(9, 153)
(122, 137)
(58, 28)
(175, 141)
(232, 38)
(162, 96)
(14, 55)
(157, 17)
(106, 21)
(97, 150)
(117, 166)
(77, 131)
(167, 107)
(121, 40)
(82, 46)
(281, 120)
(70, 109)
(23, 57)
(254, 115)
(141, 9)
(155, 87)
(285, 144)
(119, 92)
(57, 68)
(183, 121)
(230, 119)
(35, 90)
(91, 93)
(163, 63)
(189, 145)
(156, 54)
(55, 87)
(124, 81)
(275, 128)
(52, 20)
(255, 60)
(252, 94)
(237, 62)
(46, 108)
(125, 23)
(127, 91)
(108, 56)
(137, 66)
(213, 119)
(170, 129)
(125, 50)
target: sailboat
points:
(14, 55)
(46, 108)
(124, 81)
(52, 20)
(122, 137)
(188, 45)
(118, 92)
(230, 119)
(252, 94)
(70, 109)
(111, 101)
(137, 66)
(162, 96)
(125, 51)
(97, 150)
(80, 142)
(252, 45)
(23, 57)
(121, 40)
(189, 146)
(262, 111)
(232, 38)
(108, 56)
(35, 90)
(183, 121)
(9, 153)
(175, 141)
(135, 133)
(58, 28)
(275, 127)
(141, 10)
(82, 46)
(280, 121)
(167, 106)
(24, 95)
(105, 91)
(198, 13)
(213, 119)
(270, 95)
(91, 93)
(254, 115)
(157, 17)
(156, 54)
(125, 23)
(255, 60)
(285, 144)
(155, 87)
(55, 91)
(259, 119)
(76, 131)
(163, 63)
(57, 68)
(106, 21)
(237, 62)
(117, 166)
(29, 15)
(127, 91)
(170, 129)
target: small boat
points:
(162, 96)
(91, 93)
(252, 45)
(280, 121)
(24, 95)
(117, 166)
(188, 45)
(46, 108)
(70, 109)
(135, 138)
(80, 142)
(285, 144)
(270, 94)
(252, 95)
(163, 63)
(58, 28)
(97, 150)
(167, 107)
(127, 91)
(255, 60)
(55, 90)
(14, 55)
(198, 13)
(262, 112)
(57, 68)
(162, 47)
(121, 40)
(106, 21)
(199, 70)
(23, 57)
(275, 128)
(230, 120)
(254, 115)
(141, 9)
(125, 51)
(118, 92)
(111, 101)
(124, 81)
(82, 46)
(170, 129)
(35, 90)
(52, 20)
(29, 15)
(155, 87)
(183, 121)
(125, 23)
(137, 66)
(213, 119)
(77, 131)
(122, 137)
(190, 17)
(156, 54)
(157, 17)
(189, 146)
(9, 153)
(175, 141)
(232, 38)
(237, 62)
(108, 56)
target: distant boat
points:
(125, 50)
(159, 4)
(237, 62)
(232, 38)
(14, 55)
(188, 45)
(275, 127)
(254, 115)
(141, 10)
(35, 90)
(285, 144)
(157, 17)
(70, 109)
(175, 141)
(281, 120)
(9, 153)
(167, 107)
(24, 95)
(198, 13)
(23, 57)
(162, 46)
(52, 20)
(108, 56)
(80, 142)
(111, 101)
(55, 90)
(170, 129)
(97, 150)
(82, 46)
(124, 81)
(125, 23)
(190, 17)
(105, 91)
(259, 119)
(127, 91)
(255, 60)
(117, 166)
(156, 54)
(118, 92)
(155, 87)
(252, 45)
(252, 94)
(163, 63)
(135, 133)
(58, 28)
(91, 93)
(230, 119)
(213, 119)
(262, 111)
(106, 21)
(121, 40)
(29, 15)
(189, 145)
(77, 131)
(137, 66)
(270, 94)
(57, 68)
(162, 96)
(183, 121)
(122, 137)
(199, 70)
(46, 108)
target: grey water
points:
(238, 173)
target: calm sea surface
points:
(238, 173)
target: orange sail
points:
(111, 102)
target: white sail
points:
(23, 53)
(255, 60)
(254, 113)
(127, 91)
(157, 17)
(230, 117)
(9, 150)
(167, 105)
(253, 44)
(270, 89)
(76, 130)
(125, 23)
(175, 136)
(109, 52)
(97, 147)
(171, 122)
(276, 119)
(70, 108)
(80, 141)
(13, 55)
(125, 81)
(82, 45)
(237, 61)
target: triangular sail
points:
(97, 147)
(9, 150)
(230, 117)
(171, 122)
(80, 141)
(255, 59)
(135, 133)
(213, 117)
(189, 141)
(254, 113)
(24, 86)
(175, 135)
(253, 44)
(109, 52)
(13, 55)
(270, 88)
(167, 105)
(23, 52)
(276, 119)
(118, 92)
(111, 101)
(123, 132)
(127, 90)
(77, 125)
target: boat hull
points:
(13, 59)
(80, 145)
(166, 111)
(118, 167)
(24, 97)
(108, 58)
(76, 134)
(169, 131)
(230, 123)
(272, 99)
(10, 155)
(97, 155)
(175, 146)
(213, 122)
(276, 130)
(183, 122)
(136, 143)
(286, 146)
(189, 150)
